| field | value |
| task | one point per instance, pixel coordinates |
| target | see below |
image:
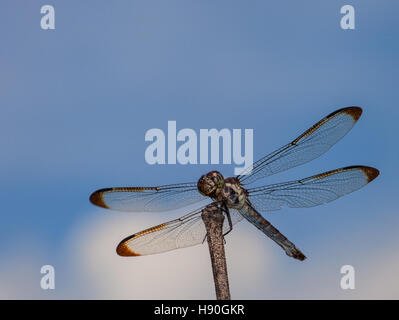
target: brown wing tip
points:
(124, 251)
(354, 112)
(97, 199)
(371, 173)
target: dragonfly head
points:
(210, 184)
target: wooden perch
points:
(213, 218)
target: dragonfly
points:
(238, 201)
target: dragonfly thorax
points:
(227, 190)
(233, 194)
(211, 184)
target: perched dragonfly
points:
(235, 199)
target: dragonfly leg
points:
(227, 212)
(206, 236)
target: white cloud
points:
(179, 274)
(87, 267)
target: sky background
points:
(76, 102)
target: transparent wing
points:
(139, 199)
(186, 231)
(309, 145)
(312, 191)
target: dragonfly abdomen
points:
(267, 228)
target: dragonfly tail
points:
(267, 228)
(293, 251)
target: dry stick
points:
(213, 219)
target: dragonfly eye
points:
(210, 184)
(204, 186)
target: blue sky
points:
(76, 103)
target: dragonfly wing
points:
(186, 231)
(142, 199)
(309, 145)
(312, 191)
